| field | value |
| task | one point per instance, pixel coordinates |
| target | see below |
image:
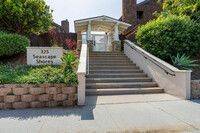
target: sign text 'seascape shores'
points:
(44, 55)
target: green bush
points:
(11, 44)
(169, 36)
(36, 75)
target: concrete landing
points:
(173, 116)
(120, 99)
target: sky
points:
(80, 9)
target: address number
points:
(44, 51)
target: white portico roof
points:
(100, 23)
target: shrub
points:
(70, 61)
(183, 62)
(11, 44)
(170, 35)
(48, 74)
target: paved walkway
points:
(165, 116)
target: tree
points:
(25, 16)
(183, 7)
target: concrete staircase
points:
(115, 73)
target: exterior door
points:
(100, 42)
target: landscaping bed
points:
(36, 86)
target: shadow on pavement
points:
(84, 112)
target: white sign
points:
(44, 55)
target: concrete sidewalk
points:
(167, 116)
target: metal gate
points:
(100, 42)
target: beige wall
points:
(178, 85)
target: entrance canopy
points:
(101, 23)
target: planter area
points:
(195, 89)
(19, 96)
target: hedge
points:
(36, 75)
(11, 44)
(169, 36)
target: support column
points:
(116, 36)
(89, 31)
(79, 42)
(116, 44)
(90, 44)
(89, 38)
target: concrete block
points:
(36, 90)
(21, 105)
(1, 85)
(1, 98)
(59, 97)
(195, 82)
(198, 86)
(51, 90)
(51, 104)
(44, 98)
(69, 90)
(73, 97)
(20, 91)
(5, 105)
(60, 85)
(28, 98)
(46, 85)
(193, 86)
(67, 103)
(11, 99)
(11, 86)
(28, 86)
(37, 104)
(5, 91)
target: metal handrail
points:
(88, 60)
(146, 57)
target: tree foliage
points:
(183, 7)
(170, 35)
(25, 16)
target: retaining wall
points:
(195, 89)
(18, 96)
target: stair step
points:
(109, 58)
(116, 55)
(108, 80)
(113, 67)
(110, 61)
(106, 53)
(116, 71)
(116, 75)
(121, 84)
(112, 91)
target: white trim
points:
(99, 18)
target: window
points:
(139, 14)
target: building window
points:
(139, 14)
